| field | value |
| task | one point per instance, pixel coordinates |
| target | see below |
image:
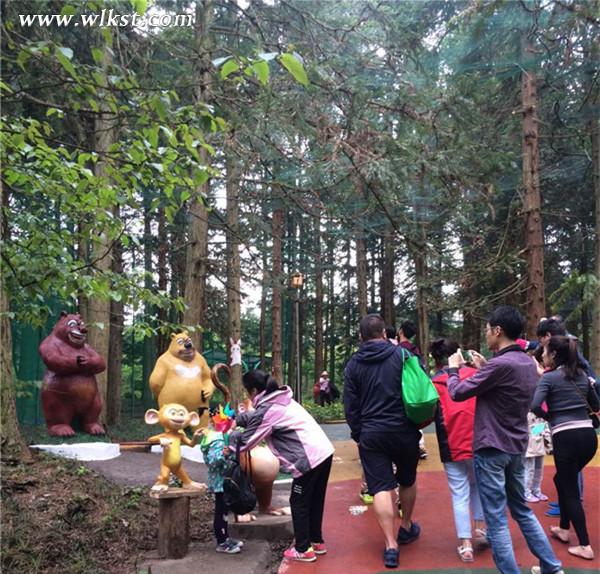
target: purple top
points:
(504, 388)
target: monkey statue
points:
(174, 418)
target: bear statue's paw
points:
(61, 430)
(94, 428)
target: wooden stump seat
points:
(174, 520)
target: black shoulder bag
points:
(593, 415)
(238, 490)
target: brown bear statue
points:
(70, 390)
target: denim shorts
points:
(379, 452)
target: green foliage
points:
(328, 413)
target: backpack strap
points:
(248, 455)
(405, 353)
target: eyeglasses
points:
(489, 329)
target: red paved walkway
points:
(355, 543)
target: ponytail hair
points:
(441, 348)
(566, 355)
(260, 381)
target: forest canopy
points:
(425, 160)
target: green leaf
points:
(268, 56)
(139, 6)
(98, 55)
(65, 60)
(261, 69)
(229, 68)
(66, 51)
(294, 66)
(153, 136)
(22, 59)
(68, 10)
(218, 61)
(6, 87)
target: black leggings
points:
(307, 502)
(573, 449)
(220, 520)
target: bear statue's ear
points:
(173, 335)
(151, 417)
(63, 313)
(194, 419)
(186, 333)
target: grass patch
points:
(332, 412)
(128, 430)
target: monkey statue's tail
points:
(218, 383)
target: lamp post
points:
(297, 281)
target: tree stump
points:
(174, 521)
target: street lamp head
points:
(297, 280)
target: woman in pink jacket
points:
(302, 448)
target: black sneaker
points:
(390, 557)
(408, 536)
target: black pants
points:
(220, 520)
(307, 502)
(324, 398)
(573, 449)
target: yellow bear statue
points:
(181, 375)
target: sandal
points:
(465, 553)
(559, 534)
(584, 552)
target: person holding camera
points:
(504, 387)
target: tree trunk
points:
(196, 267)
(534, 238)
(162, 251)
(471, 325)
(13, 445)
(115, 347)
(361, 275)
(375, 263)
(595, 351)
(148, 349)
(387, 281)
(97, 313)
(417, 246)
(234, 271)
(277, 230)
(318, 300)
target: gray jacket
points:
(565, 404)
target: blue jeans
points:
(501, 477)
(465, 495)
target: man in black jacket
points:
(385, 436)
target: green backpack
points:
(418, 392)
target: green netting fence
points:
(137, 365)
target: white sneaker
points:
(538, 570)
